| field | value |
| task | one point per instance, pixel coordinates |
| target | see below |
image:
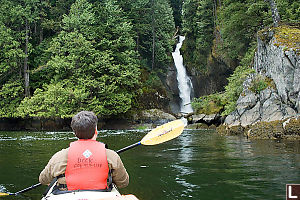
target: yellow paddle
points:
(158, 135)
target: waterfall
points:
(184, 82)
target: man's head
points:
(84, 124)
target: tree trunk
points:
(137, 43)
(275, 13)
(41, 35)
(26, 67)
(215, 12)
(153, 36)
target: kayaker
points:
(85, 165)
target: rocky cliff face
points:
(273, 92)
(214, 80)
(172, 88)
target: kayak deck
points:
(123, 197)
(114, 194)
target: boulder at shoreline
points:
(278, 129)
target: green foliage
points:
(235, 87)
(154, 26)
(144, 127)
(92, 44)
(235, 82)
(289, 10)
(11, 94)
(239, 21)
(106, 72)
(164, 28)
(260, 83)
(79, 18)
(88, 54)
(152, 93)
(177, 10)
(209, 104)
(81, 56)
(153, 81)
(10, 54)
(233, 25)
(198, 26)
(54, 100)
(114, 35)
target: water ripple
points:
(6, 138)
(2, 188)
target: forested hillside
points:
(225, 31)
(58, 57)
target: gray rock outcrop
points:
(280, 67)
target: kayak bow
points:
(114, 194)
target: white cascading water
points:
(184, 82)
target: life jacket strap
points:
(52, 183)
(109, 180)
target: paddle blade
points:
(163, 133)
(3, 194)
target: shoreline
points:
(275, 130)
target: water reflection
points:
(181, 168)
(196, 165)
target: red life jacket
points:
(87, 167)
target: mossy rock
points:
(197, 126)
(212, 127)
(236, 130)
(222, 129)
(233, 130)
(287, 35)
(292, 128)
(279, 129)
(266, 130)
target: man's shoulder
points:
(112, 156)
(111, 152)
(62, 154)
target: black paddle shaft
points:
(27, 189)
(128, 147)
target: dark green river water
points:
(196, 165)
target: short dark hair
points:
(84, 124)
